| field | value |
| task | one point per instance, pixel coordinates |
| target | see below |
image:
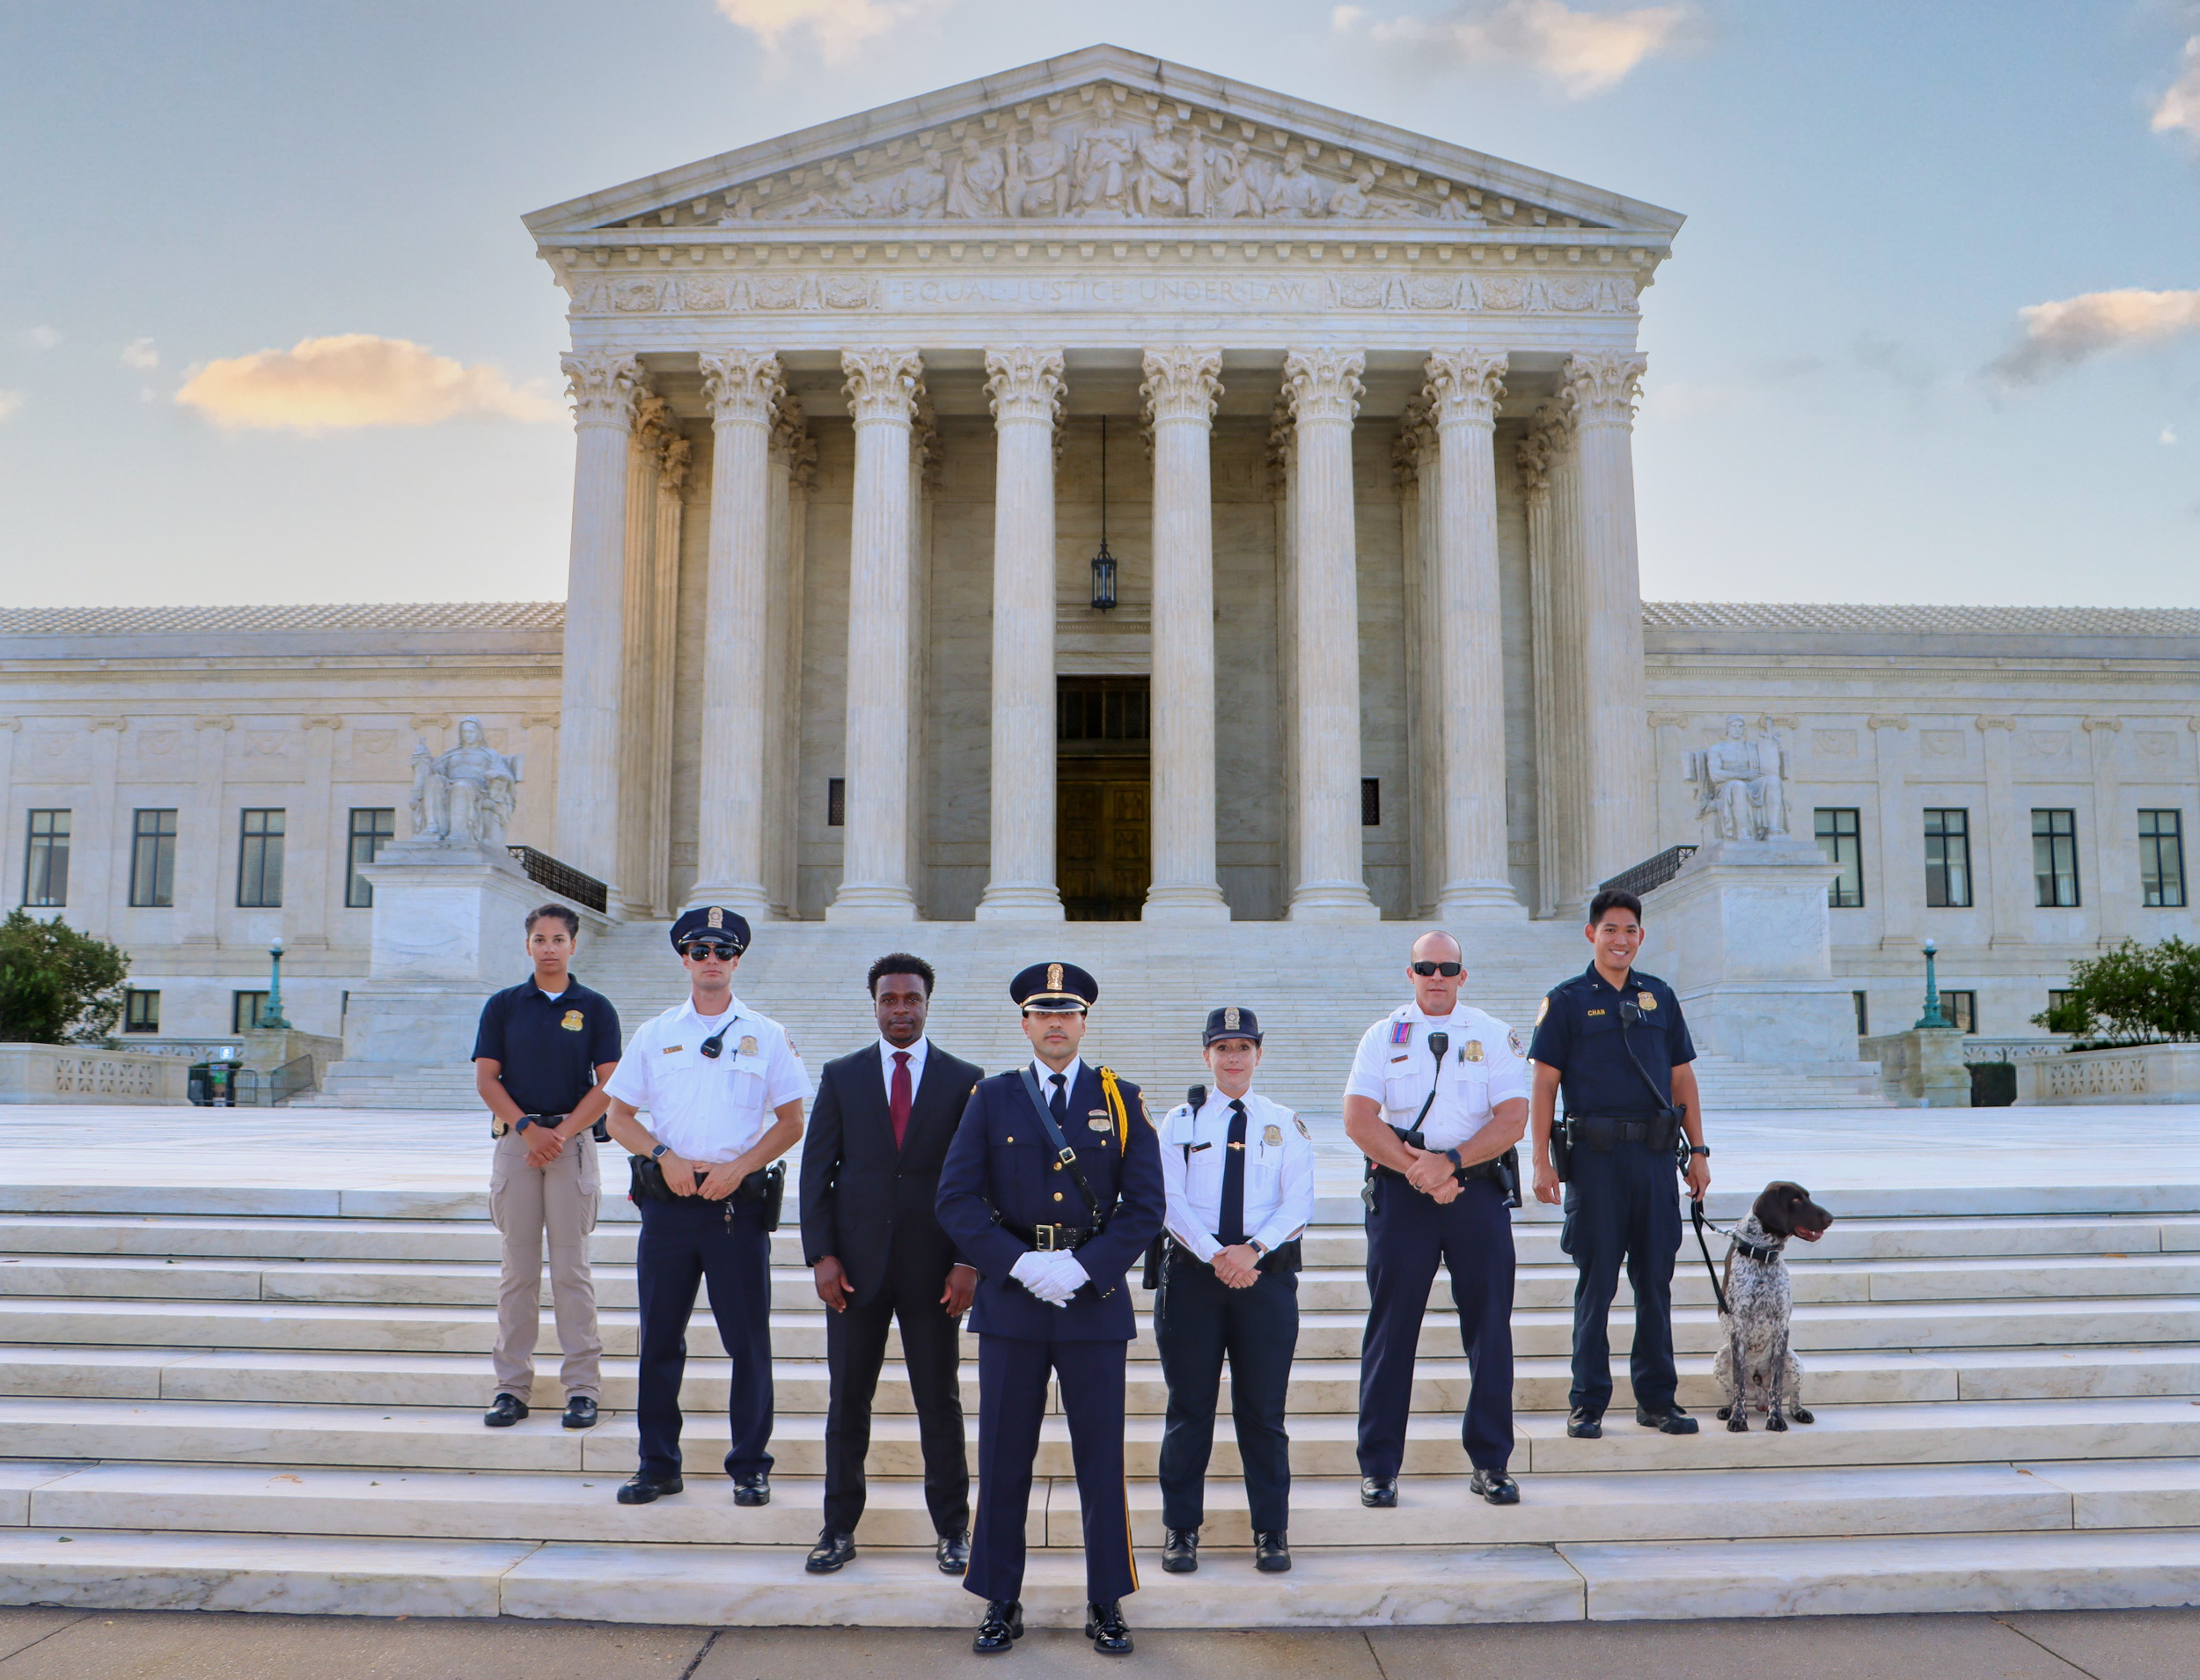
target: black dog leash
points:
(1696, 1216)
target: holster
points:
(1562, 1147)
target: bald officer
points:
(1437, 1097)
(1240, 1175)
(725, 1091)
(1052, 1187)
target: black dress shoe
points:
(833, 1549)
(1001, 1628)
(753, 1490)
(1584, 1426)
(641, 1490)
(953, 1551)
(1379, 1493)
(1104, 1626)
(580, 1412)
(1674, 1422)
(1180, 1550)
(1494, 1488)
(1271, 1555)
(505, 1411)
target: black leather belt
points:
(1600, 1131)
(1049, 1239)
(1464, 1175)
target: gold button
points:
(1057, 1166)
(1008, 1140)
(1058, 1195)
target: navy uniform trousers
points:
(1199, 1320)
(1011, 1406)
(1408, 1233)
(682, 1242)
(1622, 1204)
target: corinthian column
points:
(1180, 391)
(1324, 388)
(1603, 387)
(603, 387)
(1026, 388)
(1463, 391)
(1537, 460)
(882, 392)
(742, 386)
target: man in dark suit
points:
(870, 1173)
(1054, 1186)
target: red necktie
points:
(898, 1097)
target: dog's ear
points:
(1774, 1205)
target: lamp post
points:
(1103, 563)
(1932, 1018)
(271, 1013)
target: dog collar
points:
(1758, 1250)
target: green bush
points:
(2134, 994)
(57, 986)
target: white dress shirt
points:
(1069, 1079)
(1484, 1065)
(916, 1053)
(1278, 1172)
(709, 1110)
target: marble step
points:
(756, 1587)
(1321, 1445)
(1325, 1511)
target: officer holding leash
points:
(1437, 1100)
(1240, 1176)
(1614, 1041)
(725, 1091)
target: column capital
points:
(1323, 385)
(1464, 386)
(1541, 449)
(882, 385)
(603, 387)
(1024, 383)
(1603, 386)
(741, 386)
(1181, 385)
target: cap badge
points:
(1230, 1018)
(748, 1046)
(717, 918)
(1648, 999)
(1271, 1136)
(1053, 977)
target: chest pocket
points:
(1405, 1086)
(1605, 1021)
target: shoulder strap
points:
(1063, 1153)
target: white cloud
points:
(139, 353)
(2059, 336)
(1584, 51)
(837, 27)
(43, 338)
(2180, 107)
(350, 380)
(2169, 436)
(9, 401)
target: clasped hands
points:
(1432, 1173)
(1053, 1276)
(719, 1178)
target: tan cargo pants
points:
(526, 1205)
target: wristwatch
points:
(1452, 1155)
(1699, 1148)
(521, 1124)
(660, 1151)
(1256, 1246)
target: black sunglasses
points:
(698, 950)
(1446, 970)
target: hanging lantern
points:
(1103, 563)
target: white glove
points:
(1035, 1273)
(1067, 1273)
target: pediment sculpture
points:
(1740, 783)
(465, 796)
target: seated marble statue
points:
(466, 795)
(1739, 780)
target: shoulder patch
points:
(1303, 1133)
(1512, 1041)
(1541, 1009)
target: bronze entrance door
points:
(1103, 858)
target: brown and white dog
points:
(1755, 1363)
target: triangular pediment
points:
(1101, 137)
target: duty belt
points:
(1049, 1239)
(1493, 1169)
(1601, 1132)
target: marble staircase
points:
(270, 1398)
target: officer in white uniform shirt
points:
(1239, 1171)
(725, 1091)
(1437, 1101)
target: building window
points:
(2057, 1000)
(1960, 1010)
(46, 860)
(1947, 842)
(259, 862)
(244, 1009)
(836, 802)
(141, 1011)
(1863, 1013)
(153, 859)
(2161, 859)
(1103, 708)
(1371, 801)
(370, 831)
(2055, 859)
(1841, 840)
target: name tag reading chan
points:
(674, 1049)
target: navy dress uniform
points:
(710, 1084)
(1409, 1233)
(1007, 1199)
(1237, 1169)
(1621, 1202)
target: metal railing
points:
(1651, 874)
(292, 1077)
(563, 878)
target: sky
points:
(270, 328)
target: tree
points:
(57, 986)
(2134, 994)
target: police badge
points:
(1648, 1000)
(572, 1022)
(1272, 1136)
(748, 1046)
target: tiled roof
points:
(195, 621)
(1922, 620)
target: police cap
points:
(1231, 1022)
(711, 921)
(1054, 988)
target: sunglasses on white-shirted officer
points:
(1445, 969)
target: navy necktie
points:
(1059, 1102)
(1233, 1231)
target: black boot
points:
(1272, 1556)
(1180, 1550)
